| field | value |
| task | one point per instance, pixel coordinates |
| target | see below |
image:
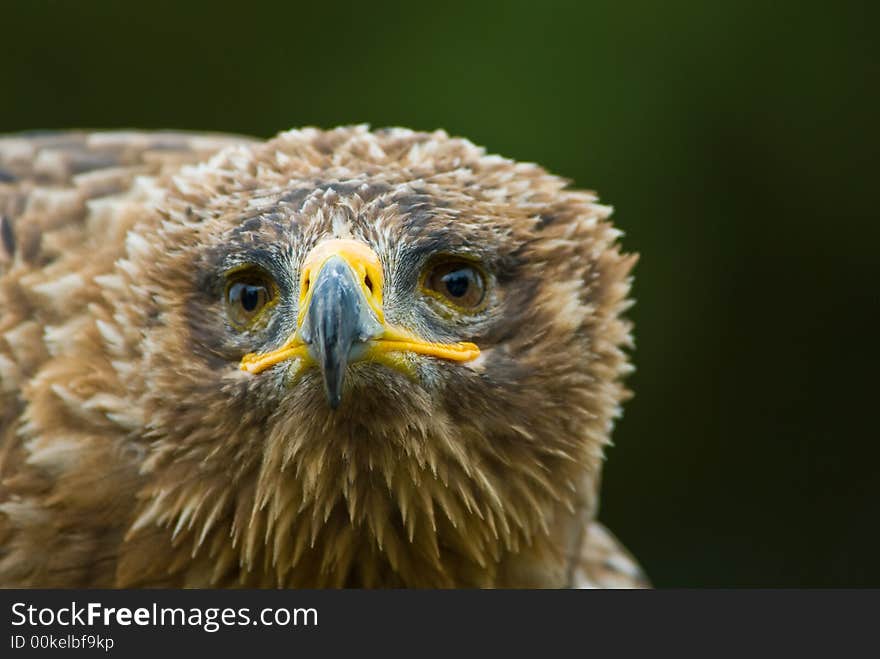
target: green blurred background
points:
(738, 142)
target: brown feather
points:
(134, 452)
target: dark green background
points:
(737, 141)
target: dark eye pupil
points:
(461, 285)
(457, 282)
(250, 297)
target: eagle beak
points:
(338, 324)
(341, 319)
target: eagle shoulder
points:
(67, 201)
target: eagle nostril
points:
(368, 283)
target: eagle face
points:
(373, 315)
(362, 359)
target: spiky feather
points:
(133, 452)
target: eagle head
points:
(369, 358)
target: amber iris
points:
(458, 283)
(246, 297)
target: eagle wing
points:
(67, 200)
(57, 204)
(48, 181)
(604, 562)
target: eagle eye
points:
(248, 294)
(457, 282)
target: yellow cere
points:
(360, 258)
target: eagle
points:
(336, 358)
